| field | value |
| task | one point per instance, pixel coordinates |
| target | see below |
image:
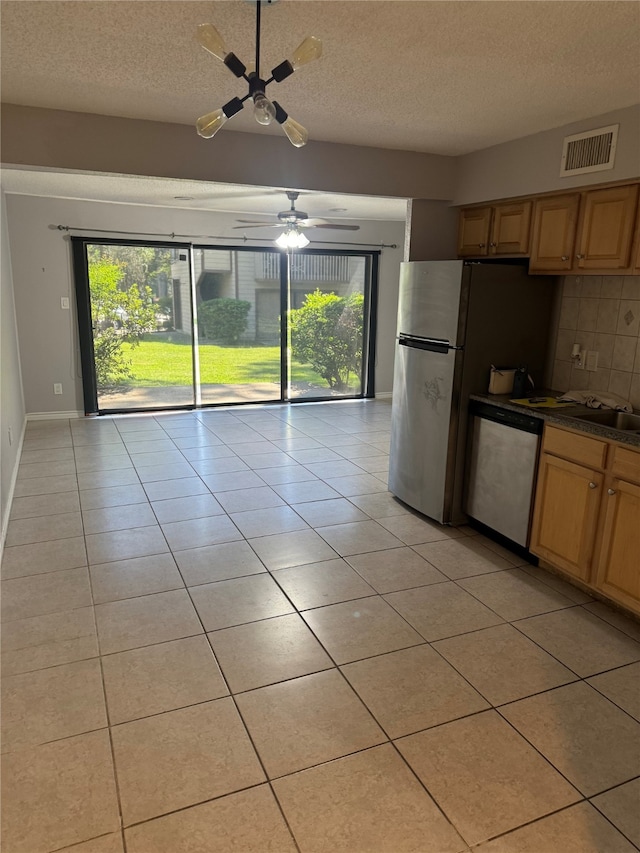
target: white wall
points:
(42, 274)
(12, 409)
(532, 164)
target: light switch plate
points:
(64, 302)
(592, 360)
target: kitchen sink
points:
(608, 417)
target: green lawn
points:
(169, 363)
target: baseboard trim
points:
(384, 395)
(54, 416)
(12, 487)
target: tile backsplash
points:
(601, 314)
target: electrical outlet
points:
(64, 302)
(579, 362)
(57, 387)
(10, 431)
(592, 360)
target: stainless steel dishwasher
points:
(503, 459)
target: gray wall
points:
(532, 164)
(431, 231)
(66, 140)
(12, 408)
(42, 274)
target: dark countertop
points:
(561, 417)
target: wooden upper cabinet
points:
(473, 232)
(499, 230)
(510, 229)
(555, 221)
(606, 229)
(588, 230)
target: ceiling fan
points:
(294, 221)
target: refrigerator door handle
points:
(428, 344)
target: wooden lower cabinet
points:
(586, 519)
(618, 572)
(567, 505)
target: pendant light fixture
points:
(264, 110)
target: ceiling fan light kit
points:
(292, 238)
(294, 221)
(264, 110)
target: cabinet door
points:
(554, 232)
(565, 514)
(619, 560)
(510, 229)
(606, 233)
(473, 232)
(636, 250)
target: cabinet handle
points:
(593, 486)
(493, 245)
(611, 491)
(564, 258)
(481, 245)
(579, 257)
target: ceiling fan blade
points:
(257, 225)
(337, 227)
(253, 222)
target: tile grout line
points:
(106, 708)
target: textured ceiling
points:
(445, 77)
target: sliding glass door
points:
(177, 326)
(238, 326)
(327, 325)
(141, 326)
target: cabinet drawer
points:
(579, 448)
(626, 463)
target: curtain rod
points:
(244, 239)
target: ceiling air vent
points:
(592, 151)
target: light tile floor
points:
(221, 632)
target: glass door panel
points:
(238, 311)
(326, 323)
(141, 325)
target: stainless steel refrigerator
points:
(456, 319)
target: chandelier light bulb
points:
(209, 124)
(263, 110)
(211, 40)
(296, 133)
(307, 51)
